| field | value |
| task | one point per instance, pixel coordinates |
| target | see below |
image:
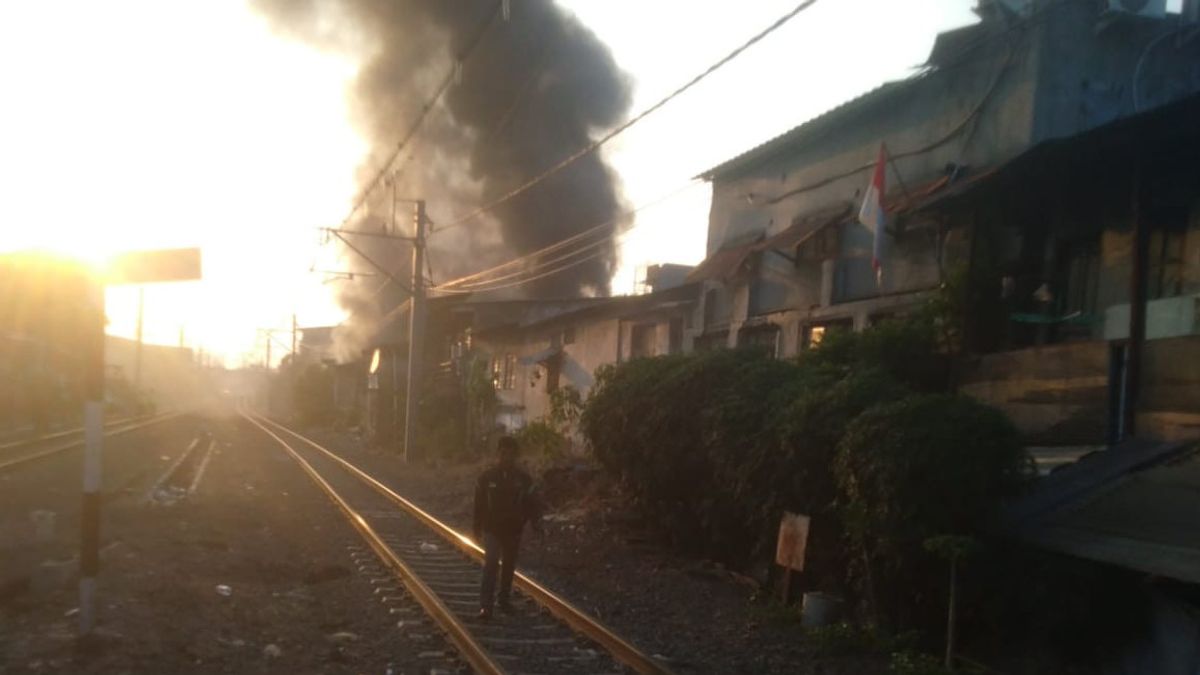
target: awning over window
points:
(724, 264)
(807, 226)
(542, 356)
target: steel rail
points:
(11, 445)
(9, 464)
(623, 651)
(471, 650)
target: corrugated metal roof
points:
(1134, 506)
(805, 130)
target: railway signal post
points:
(129, 268)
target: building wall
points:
(1058, 76)
(595, 344)
(1059, 394)
(1086, 69)
(1055, 395)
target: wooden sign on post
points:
(145, 267)
(791, 548)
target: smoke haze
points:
(536, 88)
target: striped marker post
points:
(93, 424)
(133, 267)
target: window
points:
(568, 335)
(813, 334)
(675, 336)
(1166, 269)
(761, 337)
(1082, 278)
(510, 371)
(711, 341)
(642, 339)
(821, 245)
(504, 372)
(710, 308)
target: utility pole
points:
(93, 434)
(416, 329)
(137, 357)
(293, 338)
(268, 351)
(1137, 301)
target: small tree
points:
(952, 549)
(907, 471)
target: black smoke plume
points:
(536, 86)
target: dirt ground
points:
(250, 574)
(702, 618)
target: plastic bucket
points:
(819, 609)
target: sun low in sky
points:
(136, 124)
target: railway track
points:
(438, 571)
(18, 453)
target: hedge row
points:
(715, 446)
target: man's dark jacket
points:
(504, 500)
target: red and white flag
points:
(872, 215)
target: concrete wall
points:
(1056, 395)
(1171, 370)
(599, 339)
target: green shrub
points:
(791, 468)
(907, 349)
(669, 428)
(716, 446)
(924, 466)
(539, 439)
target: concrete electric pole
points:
(416, 330)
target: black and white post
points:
(93, 425)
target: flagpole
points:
(896, 170)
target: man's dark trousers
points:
(500, 555)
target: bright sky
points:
(145, 124)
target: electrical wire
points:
(595, 145)
(540, 265)
(516, 262)
(424, 112)
(526, 280)
(470, 279)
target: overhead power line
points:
(595, 145)
(526, 280)
(532, 269)
(541, 264)
(450, 78)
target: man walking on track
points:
(504, 501)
